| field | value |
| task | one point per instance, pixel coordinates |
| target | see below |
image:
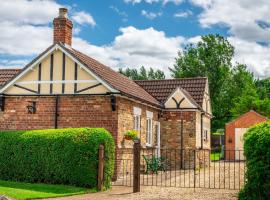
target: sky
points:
(132, 33)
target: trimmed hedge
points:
(56, 156)
(257, 152)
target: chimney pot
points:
(63, 12)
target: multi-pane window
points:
(137, 122)
(149, 131)
(137, 118)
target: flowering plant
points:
(131, 135)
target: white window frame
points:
(137, 122)
(149, 128)
(137, 118)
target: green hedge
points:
(56, 156)
(257, 152)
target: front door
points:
(239, 143)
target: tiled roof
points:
(154, 92)
(114, 79)
(161, 89)
(7, 74)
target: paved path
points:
(156, 193)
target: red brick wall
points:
(62, 31)
(245, 121)
(126, 121)
(16, 117)
(171, 128)
(171, 138)
(87, 111)
(74, 111)
(83, 111)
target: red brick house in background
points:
(63, 87)
(234, 132)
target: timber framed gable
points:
(56, 72)
(179, 99)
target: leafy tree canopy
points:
(263, 87)
(233, 89)
(142, 73)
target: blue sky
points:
(111, 15)
(132, 33)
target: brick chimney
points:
(62, 28)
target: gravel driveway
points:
(220, 175)
(156, 193)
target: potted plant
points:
(131, 135)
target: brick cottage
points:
(63, 87)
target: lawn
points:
(18, 190)
(215, 156)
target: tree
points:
(143, 74)
(211, 58)
(250, 101)
(263, 87)
(247, 94)
(233, 89)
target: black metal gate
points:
(184, 168)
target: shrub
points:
(257, 152)
(57, 156)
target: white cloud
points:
(247, 19)
(14, 63)
(25, 30)
(164, 2)
(83, 18)
(202, 3)
(24, 26)
(150, 15)
(23, 39)
(183, 14)
(20, 36)
(256, 56)
(28, 12)
(194, 40)
(134, 48)
(248, 26)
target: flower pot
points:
(128, 137)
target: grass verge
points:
(21, 191)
